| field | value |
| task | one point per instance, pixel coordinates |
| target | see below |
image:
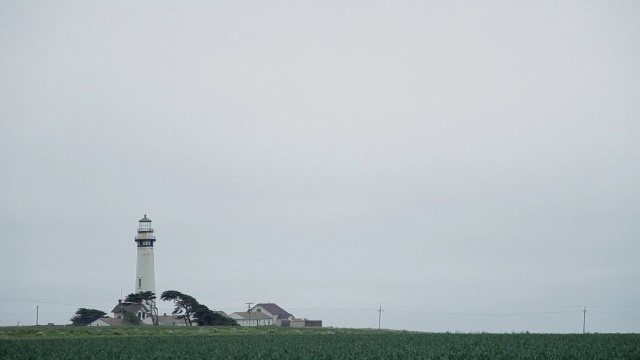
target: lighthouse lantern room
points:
(145, 273)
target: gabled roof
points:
(250, 315)
(274, 309)
(134, 308)
(110, 321)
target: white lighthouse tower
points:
(145, 273)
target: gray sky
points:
(470, 166)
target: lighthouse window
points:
(139, 283)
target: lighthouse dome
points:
(145, 219)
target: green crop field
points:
(324, 343)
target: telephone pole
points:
(379, 315)
(37, 314)
(249, 313)
(584, 319)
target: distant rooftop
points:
(129, 307)
(251, 315)
(273, 309)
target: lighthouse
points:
(145, 273)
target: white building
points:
(145, 272)
(140, 310)
(118, 314)
(145, 279)
(252, 319)
(274, 311)
(265, 314)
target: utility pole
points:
(584, 319)
(37, 313)
(249, 312)
(379, 315)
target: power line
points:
(477, 314)
(51, 303)
(458, 311)
(445, 311)
(330, 309)
(26, 316)
(618, 315)
(482, 309)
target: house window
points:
(259, 310)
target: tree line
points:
(187, 308)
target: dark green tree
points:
(184, 304)
(130, 318)
(148, 300)
(188, 307)
(206, 317)
(86, 316)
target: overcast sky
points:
(468, 166)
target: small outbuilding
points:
(302, 323)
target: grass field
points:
(323, 343)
